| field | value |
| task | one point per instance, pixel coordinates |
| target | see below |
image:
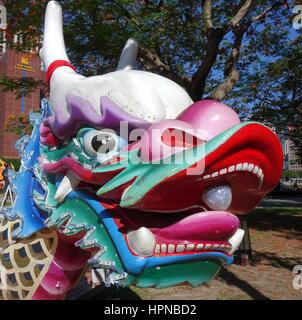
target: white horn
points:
(53, 42)
(129, 55)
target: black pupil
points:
(103, 143)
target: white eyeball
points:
(102, 144)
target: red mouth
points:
(181, 233)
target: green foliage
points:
(16, 162)
(18, 124)
(21, 86)
(291, 174)
(269, 89)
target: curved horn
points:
(128, 56)
(53, 42)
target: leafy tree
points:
(244, 52)
(18, 124)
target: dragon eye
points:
(101, 144)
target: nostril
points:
(172, 137)
(166, 138)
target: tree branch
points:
(152, 60)
(244, 9)
(267, 10)
(231, 74)
(198, 82)
(207, 13)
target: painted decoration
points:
(125, 175)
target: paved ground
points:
(282, 201)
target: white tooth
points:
(245, 165)
(239, 167)
(255, 171)
(207, 246)
(218, 198)
(171, 248)
(215, 246)
(180, 248)
(223, 171)
(261, 181)
(75, 157)
(206, 177)
(260, 173)
(250, 167)
(87, 166)
(67, 185)
(222, 246)
(235, 240)
(199, 247)
(190, 247)
(163, 248)
(125, 192)
(157, 248)
(141, 241)
(231, 168)
(215, 174)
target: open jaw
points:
(161, 211)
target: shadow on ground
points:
(274, 260)
(104, 293)
(231, 279)
(289, 224)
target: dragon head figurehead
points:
(136, 180)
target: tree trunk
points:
(198, 82)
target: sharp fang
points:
(67, 185)
(235, 240)
(124, 193)
(141, 241)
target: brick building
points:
(15, 65)
(292, 161)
